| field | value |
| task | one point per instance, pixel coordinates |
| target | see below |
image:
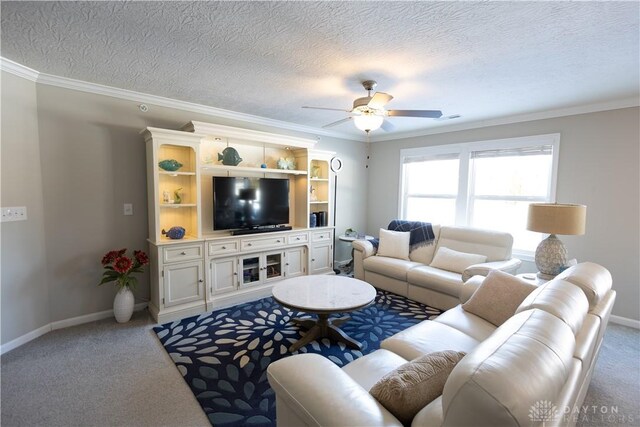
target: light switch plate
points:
(128, 208)
(18, 213)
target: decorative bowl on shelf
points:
(170, 165)
(175, 233)
(286, 163)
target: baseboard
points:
(74, 321)
(624, 321)
(30, 336)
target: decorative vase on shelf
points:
(123, 305)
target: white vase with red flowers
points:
(119, 268)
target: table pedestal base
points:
(323, 327)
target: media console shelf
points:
(209, 269)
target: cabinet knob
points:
(297, 238)
(313, 259)
(248, 244)
(224, 247)
(278, 241)
(287, 264)
(235, 273)
(183, 253)
(201, 281)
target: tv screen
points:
(249, 202)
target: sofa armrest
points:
(365, 247)
(315, 391)
(508, 266)
(469, 287)
(362, 249)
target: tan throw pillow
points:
(450, 260)
(498, 297)
(412, 386)
(394, 244)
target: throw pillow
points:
(413, 385)
(394, 244)
(498, 297)
(450, 260)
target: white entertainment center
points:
(209, 268)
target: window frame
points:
(464, 197)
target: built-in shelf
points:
(319, 179)
(177, 205)
(252, 169)
(176, 173)
(318, 202)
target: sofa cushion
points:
(424, 254)
(390, 267)
(450, 260)
(413, 385)
(472, 325)
(562, 299)
(428, 337)
(497, 299)
(430, 415)
(594, 280)
(443, 281)
(394, 244)
(368, 370)
(526, 360)
(495, 245)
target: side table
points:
(532, 278)
(350, 239)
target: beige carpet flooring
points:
(106, 374)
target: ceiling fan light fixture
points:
(368, 122)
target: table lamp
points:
(554, 218)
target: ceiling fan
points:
(368, 112)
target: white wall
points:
(598, 166)
(24, 290)
(93, 161)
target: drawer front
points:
(223, 248)
(182, 253)
(321, 236)
(270, 242)
(293, 239)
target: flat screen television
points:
(249, 202)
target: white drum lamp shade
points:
(554, 218)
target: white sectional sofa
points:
(439, 288)
(546, 352)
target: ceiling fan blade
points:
(324, 108)
(387, 126)
(337, 123)
(432, 114)
(379, 100)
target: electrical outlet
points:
(18, 213)
(128, 208)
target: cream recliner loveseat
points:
(541, 357)
(416, 280)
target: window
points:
(487, 184)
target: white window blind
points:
(485, 184)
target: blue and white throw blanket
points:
(421, 233)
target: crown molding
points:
(19, 70)
(520, 118)
(129, 95)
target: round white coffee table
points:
(324, 295)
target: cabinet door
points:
(321, 258)
(295, 262)
(271, 265)
(250, 270)
(183, 283)
(223, 275)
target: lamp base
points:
(551, 256)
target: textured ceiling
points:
(481, 60)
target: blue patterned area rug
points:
(223, 355)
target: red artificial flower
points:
(122, 251)
(122, 264)
(109, 257)
(141, 257)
